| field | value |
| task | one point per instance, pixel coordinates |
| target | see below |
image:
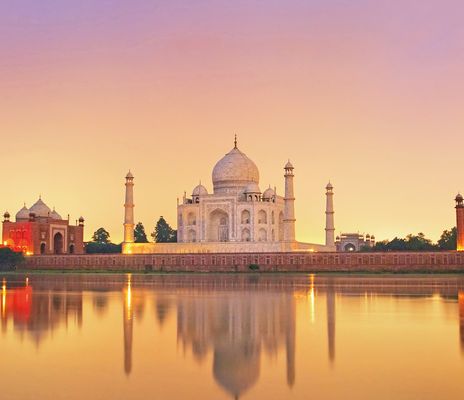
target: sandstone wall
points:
(250, 262)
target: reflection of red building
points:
(36, 312)
(461, 317)
(39, 230)
(17, 302)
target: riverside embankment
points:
(398, 262)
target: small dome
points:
(329, 186)
(22, 214)
(55, 215)
(337, 238)
(372, 237)
(368, 236)
(289, 165)
(40, 209)
(269, 193)
(129, 175)
(200, 190)
(81, 219)
(459, 197)
(252, 188)
(6, 215)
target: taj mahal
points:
(236, 217)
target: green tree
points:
(419, 243)
(9, 259)
(410, 243)
(448, 239)
(101, 235)
(139, 234)
(163, 232)
(102, 248)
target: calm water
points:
(231, 336)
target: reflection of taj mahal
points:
(236, 217)
(237, 329)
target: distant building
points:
(40, 230)
(354, 241)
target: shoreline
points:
(159, 273)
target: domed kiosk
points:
(234, 217)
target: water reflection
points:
(461, 318)
(231, 321)
(36, 314)
(237, 328)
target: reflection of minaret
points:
(290, 345)
(128, 327)
(461, 318)
(331, 319)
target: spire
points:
(235, 141)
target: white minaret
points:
(129, 209)
(289, 208)
(329, 216)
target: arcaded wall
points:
(248, 262)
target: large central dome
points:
(234, 172)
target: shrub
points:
(254, 267)
(9, 259)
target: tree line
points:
(101, 241)
(417, 242)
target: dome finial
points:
(235, 141)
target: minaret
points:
(129, 209)
(289, 208)
(329, 217)
(459, 222)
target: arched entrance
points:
(246, 237)
(218, 230)
(58, 243)
(350, 247)
(192, 235)
(42, 248)
(71, 249)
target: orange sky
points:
(367, 95)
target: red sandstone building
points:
(459, 222)
(39, 230)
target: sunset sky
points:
(368, 94)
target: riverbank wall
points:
(391, 262)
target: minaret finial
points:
(235, 141)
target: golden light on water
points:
(312, 299)
(228, 326)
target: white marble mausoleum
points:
(235, 217)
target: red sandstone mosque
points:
(40, 230)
